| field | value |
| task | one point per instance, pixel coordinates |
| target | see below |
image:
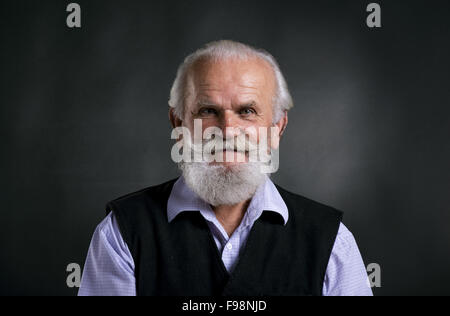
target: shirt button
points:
(229, 246)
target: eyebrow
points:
(212, 104)
(206, 103)
(250, 103)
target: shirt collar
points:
(266, 198)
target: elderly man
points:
(223, 227)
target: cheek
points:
(197, 127)
(269, 134)
(209, 122)
(253, 133)
(275, 137)
(211, 125)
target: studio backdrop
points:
(84, 120)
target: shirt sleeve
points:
(109, 266)
(346, 273)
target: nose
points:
(230, 124)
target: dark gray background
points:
(84, 120)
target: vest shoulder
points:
(304, 206)
(155, 192)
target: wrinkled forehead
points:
(233, 77)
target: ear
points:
(174, 120)
(282, 123)
(279, 130)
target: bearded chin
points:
(223, 185)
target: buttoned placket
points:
(230, 246)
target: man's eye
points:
(247, 111)
(207, 111)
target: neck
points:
(230, 216)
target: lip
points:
(226, 150)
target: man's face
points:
(233, 95)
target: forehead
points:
(232, 77)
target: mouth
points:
(234, 150)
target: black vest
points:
(181, 257)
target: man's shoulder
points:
(155, 192)
(150, 190)
(303, 206)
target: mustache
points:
(237, 144)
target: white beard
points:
(223, 185)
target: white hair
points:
(222, 185)
(282, 100)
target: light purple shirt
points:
(109, 267)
